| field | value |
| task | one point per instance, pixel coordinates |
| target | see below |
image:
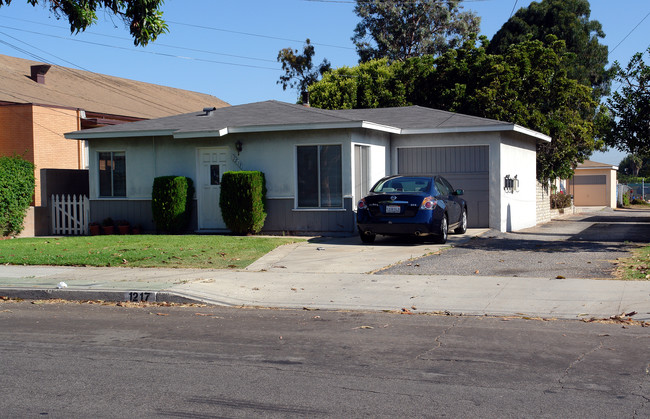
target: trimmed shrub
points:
(243, 201)
(560, 200)
(171, 202)
(16, 192)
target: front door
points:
(212, 163)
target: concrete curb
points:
(98, 295)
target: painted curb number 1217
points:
(137, 297)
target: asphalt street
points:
(571, 247)
(92, 360)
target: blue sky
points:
(228, 48)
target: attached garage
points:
(465, 167)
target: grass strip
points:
(144, 251)
(635, 267)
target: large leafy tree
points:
(299, 69)
(635, 165)
(568, 20)
(528, 85)
(629, 126)
(143, 17)
(398, 30)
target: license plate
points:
(393, 209)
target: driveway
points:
(348, 255)
(585, 245)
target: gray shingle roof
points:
(273, 116)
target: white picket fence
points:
(70, 215)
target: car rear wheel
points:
(367, 238)
(462, 228)
(441, 238)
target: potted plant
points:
(94, 228)
(108, 225)
(123, 226)
(137, 229)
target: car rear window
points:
(403, 184)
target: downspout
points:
(80, 153)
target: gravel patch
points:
(578, 246)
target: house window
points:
(112, 173)
(319, 176)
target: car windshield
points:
(403, 184)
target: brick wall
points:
(16, 131)
(52, 150)
(543, 203)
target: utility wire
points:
(157, 43)
(254, 34)
(144, 51)
(108, 84)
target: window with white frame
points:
(112, 173)
(319, 176)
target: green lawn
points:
(150, 251)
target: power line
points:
(255, 34)
(513, 8)
(630, 33)
(144, 51)
(127, 39)
(109, 85)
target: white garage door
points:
(465, 167)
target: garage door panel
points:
(475, 193)
(465, 167)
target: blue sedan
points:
(412, 205)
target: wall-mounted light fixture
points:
(239, 146)
(511, 185)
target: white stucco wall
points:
(272, 153)
(379, 143)
(517, 208)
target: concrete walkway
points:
(334, 274)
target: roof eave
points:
(88, 135)
(484, 128)
(269, 128)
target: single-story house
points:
(318, 163)
(39, 102)
(593, 184)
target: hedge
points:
(171, 202)
(243, 201)
(16, 192)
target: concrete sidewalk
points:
(535, 297)
(334, 274)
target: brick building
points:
(40, 102)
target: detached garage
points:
(317, 162)
(593, 184)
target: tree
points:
(528, 86)
(399, 30)
(299, 69)
(143, 17)
(569, 21)
(632, 164)
(629, 126)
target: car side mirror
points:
(459, 192)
